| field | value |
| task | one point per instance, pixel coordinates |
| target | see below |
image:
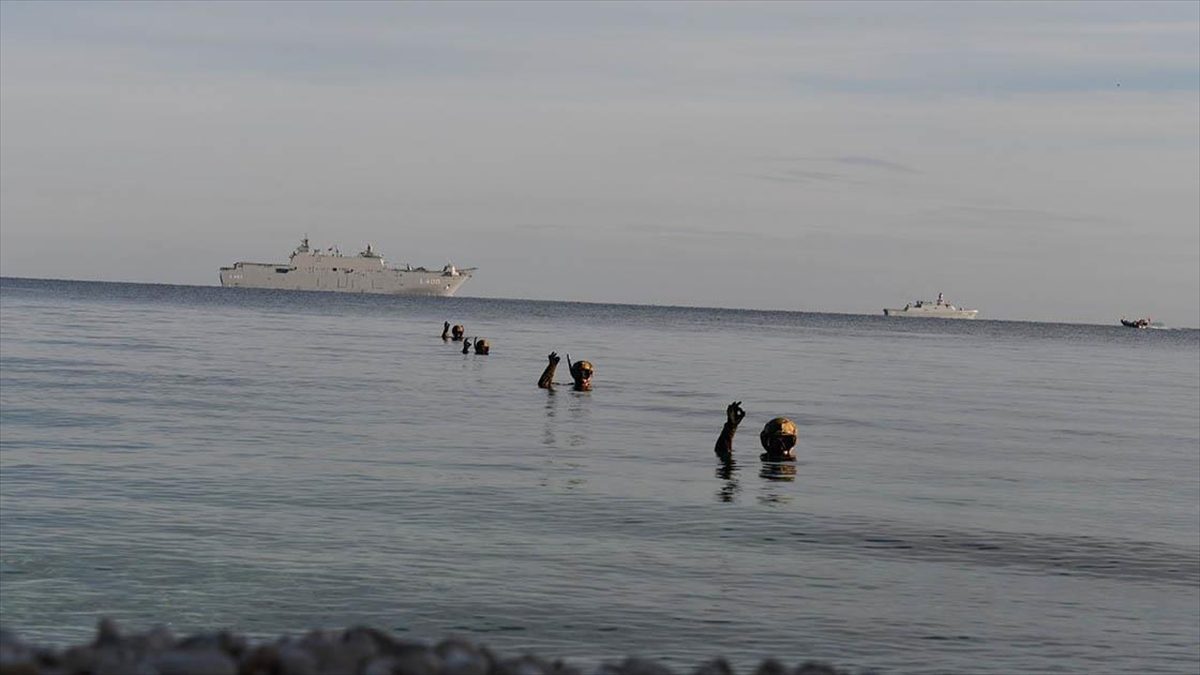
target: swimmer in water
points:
(778, 437)
(457, 332)
(482, 346)
(581, 373)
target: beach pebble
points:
(384, 665)
(413, 663)
(523, 665)
(224, 641)
(333, 656)
(296, 661)
(15, 657)
(721, 667)
(115, 660)
(195, 662)
(771, 667)
(634, 666)
(460, 657)
(356, 651)
(261, 660)
(107, 633)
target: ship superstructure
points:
(309, 269)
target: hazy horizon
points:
(718, 308)
(1034, 161)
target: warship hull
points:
(932, 314)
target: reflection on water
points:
(729, 489)
(579, 412)
(776, 474)
(577, 419)
(782, 471)
(771, 492)
(548, 437)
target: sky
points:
(1037, 161)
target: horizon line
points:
(569, 302)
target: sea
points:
(970, 496)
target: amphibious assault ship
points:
(328, 270)
(932, 310)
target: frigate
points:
(308, 269)
(927, 309)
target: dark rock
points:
(195, 662)
(413, 662)
(561, 668)
(117, 661)
(19, 667)
(295, 660)
(771, 667)
(721, 667)
(224, 641)
(16, 658)
(333, 657)
(460, 657)
(107, 633)
(818, 668)
(77, 659)
(523, 665)
(360, 650)
(261, 660)
(157, 639)
(638, 666)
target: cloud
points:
(1006, 220)
(783, 169)
(876, 163)
(801, 176)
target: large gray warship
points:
(328, 270)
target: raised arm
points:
(446, 330)
(733, 417)
(546, 381)
(466, 344)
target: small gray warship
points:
(924, 309)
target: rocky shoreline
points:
(355, 651)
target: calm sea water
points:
(984, 497)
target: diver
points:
(457, 332)
(778, 437)
(581, 373)
(482, 346)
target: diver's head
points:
(778, 438)
(482, 346)
(581, 372)
(458, 331)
